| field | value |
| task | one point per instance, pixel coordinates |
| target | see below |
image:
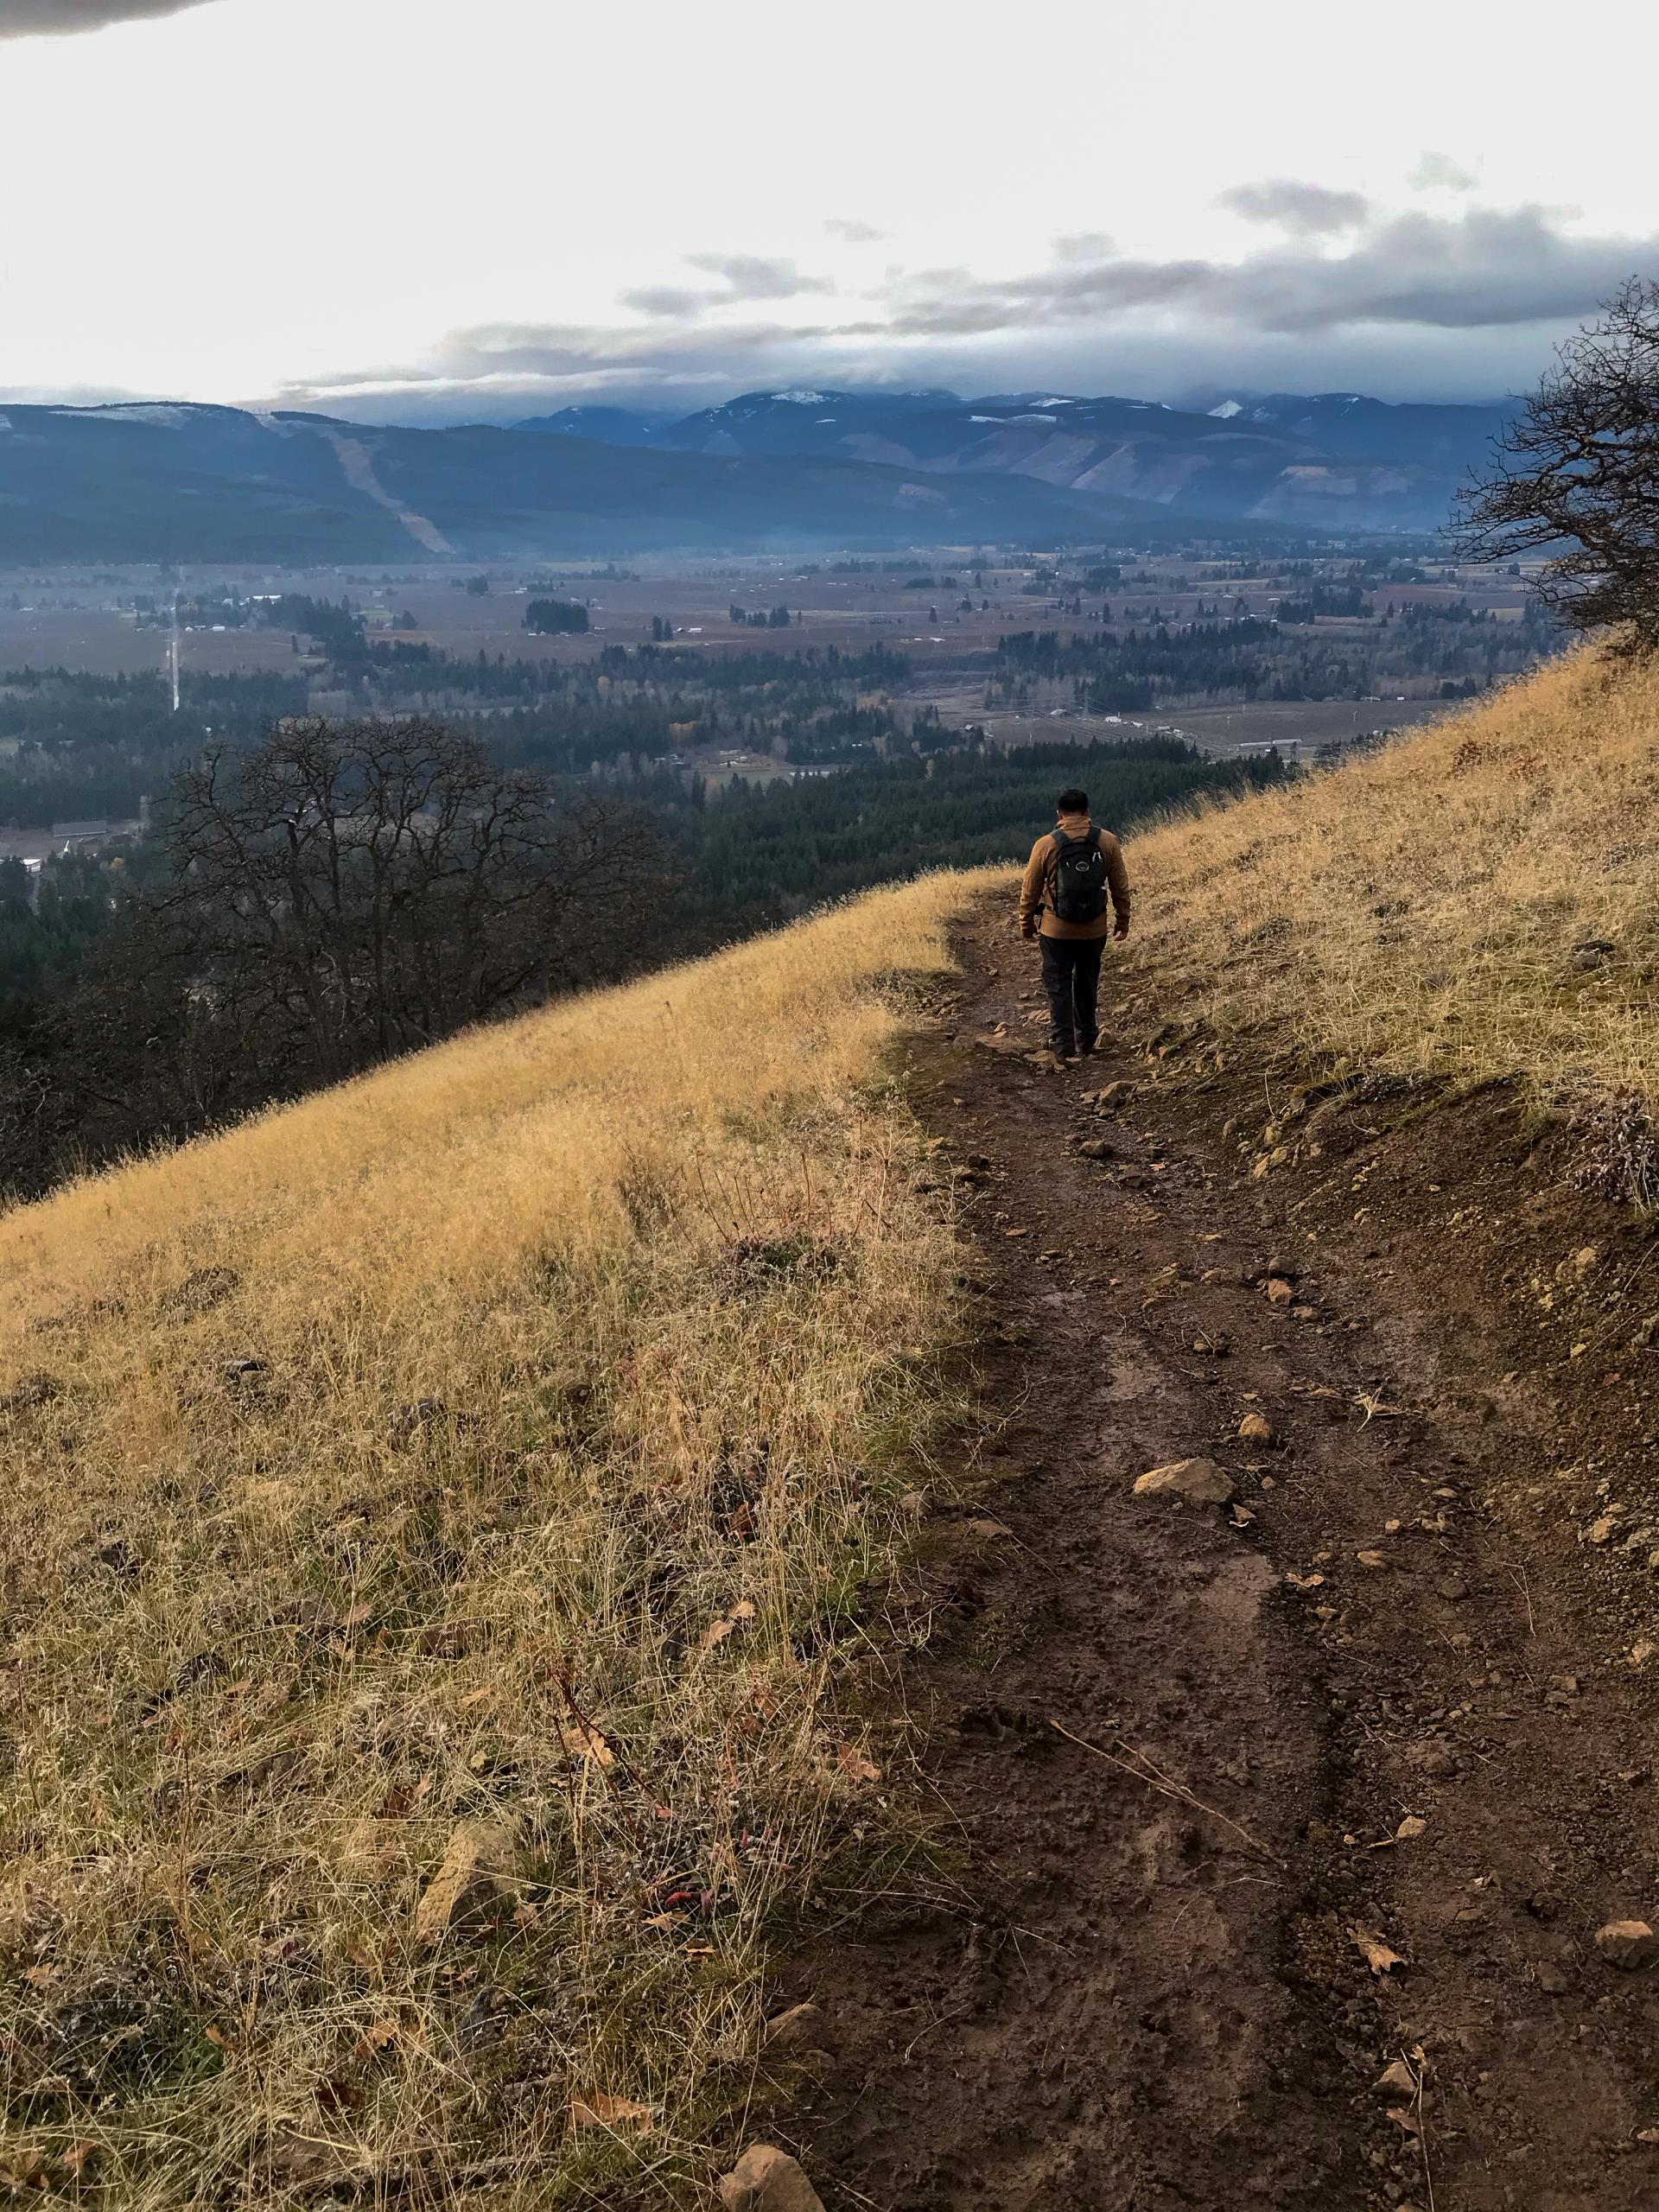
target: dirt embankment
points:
(1281, 1832)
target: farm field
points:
(948, 611)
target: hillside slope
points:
(1480, 901)
(434, 1522)
(1332, 461)
(169, 483)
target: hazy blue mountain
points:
(611, 426)
(1335, 460)
(178, 483)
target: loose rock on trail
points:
(1281, 1809)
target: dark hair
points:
(1072, 801)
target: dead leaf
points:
(373, 2040)
(78, 2158)
(583, 1741)
(668, 1921)
(596, 2109)
(217, 2037)
(1306, 1581)
(1375, 1953)
(854, 1765)
(444, 1892)
(479, 1697)
(40, 1977)
(1371, 1559)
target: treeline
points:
(1130, 671)
(75, 745)
(1125, 674)
(767, 852)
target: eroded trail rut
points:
(1130, 2006)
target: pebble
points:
(1434, 1756)
(766, 2179)
(1627, 1943)
(1197, 1482)
(799, 2024)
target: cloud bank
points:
(1312, 208)
(63, 18)
(1346, 296)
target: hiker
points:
(1067, 878)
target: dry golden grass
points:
(1419, 911)
(432, 1525)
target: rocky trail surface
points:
(1281, 1802)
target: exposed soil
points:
(1422, 1610)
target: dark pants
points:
(1071, 978)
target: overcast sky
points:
(410, 208)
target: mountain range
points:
(793, 469)
(1329, 461)
(176, 482)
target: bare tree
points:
(345, 891)
(1576, 476)
(340, 894)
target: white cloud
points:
(63, 18)
(1439, 172)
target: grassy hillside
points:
(1480, 900)
(439, 1527)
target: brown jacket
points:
(1038, 889)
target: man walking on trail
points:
(1067, 878)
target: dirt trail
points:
(1128, 2007)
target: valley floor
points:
(1373, 1752)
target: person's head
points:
(1071, 801)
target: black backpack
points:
(1079, 878)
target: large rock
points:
(1629, 1943)
(1197, 1482)
(766, 2179)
